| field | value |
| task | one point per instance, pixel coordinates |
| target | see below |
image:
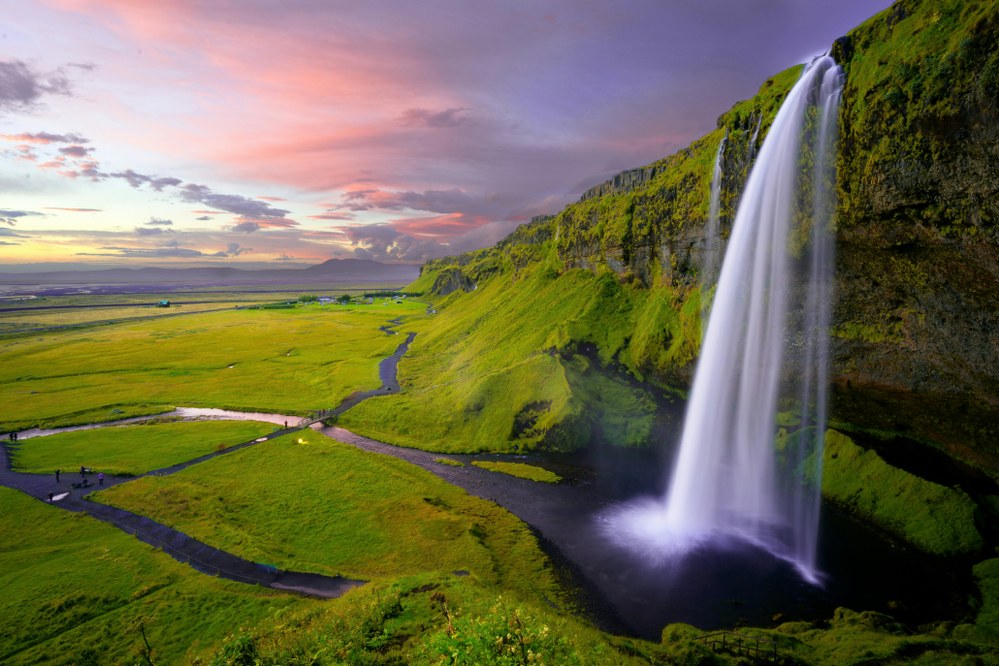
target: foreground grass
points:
(521, 470)
(132, 449)
(77, 591)
(289, 361)
(327, 507)
(435, 619)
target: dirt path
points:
(178, 545)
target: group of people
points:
(84, 481)
(12, 436)
(83, 475)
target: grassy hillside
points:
(502, 369)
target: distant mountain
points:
(333, 270)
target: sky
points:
(255, 133)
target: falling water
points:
(752, 140)
(712, 232)
(734, 477)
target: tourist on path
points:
(100, 478)
(57, 475)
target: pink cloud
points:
(56, 163)
(440, 226)
(44, 137)
(333, 216)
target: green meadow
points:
(520, 470)
(132, 449)
(290, 361)
(322, 506)
(44, 319)
(77, 591)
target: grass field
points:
(27, 320)
(521, 470)
(327, 507)
(288, 361)
(76, 591)
(132, 449)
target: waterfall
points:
(765, 350)
(712, 233)
(752, 140)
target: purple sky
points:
(193, 132)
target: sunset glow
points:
(187, 132)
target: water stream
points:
(711, 257)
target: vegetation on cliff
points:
(932, 517)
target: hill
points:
(332, 270)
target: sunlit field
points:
(308, 503)
(291, 360)
(132, 449)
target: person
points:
(83, 472)
(100, 478)
(51, 495)
(57, 475)
(285, 424)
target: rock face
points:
(916, 330)
(918, 270)
(451, 280)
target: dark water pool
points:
(732, 584)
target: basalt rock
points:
(451, 280)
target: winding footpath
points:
(178, 545)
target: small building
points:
(163, 304)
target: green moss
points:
(132, 449)
(987, 622)
(521, 470)
(915, 73)
(878, 332)
(449, 461)
(435, 619)
(932, 517)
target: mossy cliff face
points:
(917, 333)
